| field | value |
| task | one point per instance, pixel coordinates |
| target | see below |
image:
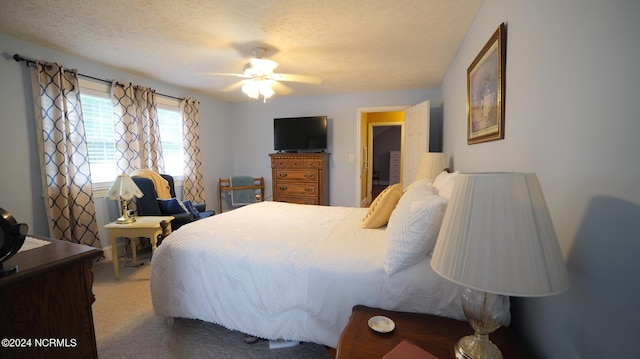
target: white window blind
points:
(98, 126)
(170, 122)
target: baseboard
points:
(106, 252)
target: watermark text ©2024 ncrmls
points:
(39, 342)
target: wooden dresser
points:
(300, 177)
(45, 308)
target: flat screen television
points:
(300, 134)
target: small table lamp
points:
(497, 239)
(431, 165)
(124, 189)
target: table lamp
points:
(124, 189)
(497, 240)
(431, 165)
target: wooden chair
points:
(225, 185)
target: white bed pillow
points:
(420, 183)
(413, 228)
(444, 183)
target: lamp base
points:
(477, 347)
(126, 217)
(125, 220)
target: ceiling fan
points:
(260, 77)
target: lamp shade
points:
(431, 165)
(497, 236)
(123, 187)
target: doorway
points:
(385, 143)
(381, 134)
(415, 123)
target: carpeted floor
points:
(127, 327)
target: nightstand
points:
(144, 226)
(437, 335)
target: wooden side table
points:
(144, 226)
(437, 335)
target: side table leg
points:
(133, 251)
(154, 240)
(114, 254)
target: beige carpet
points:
(127, 327)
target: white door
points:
(416, 140)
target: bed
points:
(289, 271)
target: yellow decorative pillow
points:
(381, 208)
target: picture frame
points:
(486, 91)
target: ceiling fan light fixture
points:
(251, 89)
(266, 90)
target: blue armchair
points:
(148, 204)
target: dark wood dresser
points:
(300, 177)
(45, 308)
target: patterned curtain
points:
(135, 117)
(192, 184)
(66, 176)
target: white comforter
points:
(286, 271)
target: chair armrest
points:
(201, 207)
(180, 219)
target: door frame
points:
(360, 147)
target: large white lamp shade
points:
(431, 165)
(497, 239)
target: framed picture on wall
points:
(485, 91)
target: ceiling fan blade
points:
(297, 78)
(234, 86)
(280, 88)
(223, 74)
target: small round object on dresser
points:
(381, 324)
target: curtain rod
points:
(28, 61)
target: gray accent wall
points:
(572, 94)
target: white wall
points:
(20, 181)
(253, 133)
(572, 92)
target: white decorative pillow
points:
(440, 179)
(413, 229)
(444, 183)
(382, 206)
(422, 183)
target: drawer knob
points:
(282, 175)
(308, 190)
(309, 175)
(283, 188)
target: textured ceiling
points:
(353, 46)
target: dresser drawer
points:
(297, 189)
(298, 163)
(296, 175)
(298, 200)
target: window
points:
(98, 122)
(170, 122)
(98, 125)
